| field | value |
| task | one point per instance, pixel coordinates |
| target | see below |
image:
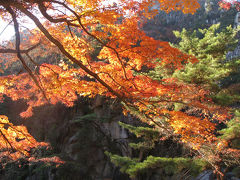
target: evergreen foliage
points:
(78, 118)
(170, 166)
(226, 98)
(229, 94)
(148, 134)
(232, 132)
(210, 48)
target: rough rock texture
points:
(79, 135)
(161, 26)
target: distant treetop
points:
(227, 4)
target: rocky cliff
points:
(162, 25)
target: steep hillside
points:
(162, 25)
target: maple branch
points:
(36, 64)
(90, 34)
(43, 10)
(142, 116)
(8, 142)
(29, 57)
(5, 28)
(14, 51)
(62, 49)
(218, 171)
(69, 28)
(104, 44)
(114, 80)
(6, 139)
(39, 65)
(17, 35)
(15, 129)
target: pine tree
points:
(140, 165)
(210, 47)
(232, 131)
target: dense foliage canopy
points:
(76, 29)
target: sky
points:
(7, 30)
(7, 33)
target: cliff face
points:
(161, 26)
(79, 136)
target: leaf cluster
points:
(169, 166)
(210, 47)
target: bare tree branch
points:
(14, 51)
(42, 8)
(62, 49)
(5, 28)
(17, 34)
